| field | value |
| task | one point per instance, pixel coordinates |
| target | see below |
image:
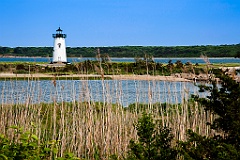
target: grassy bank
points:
(111, 68)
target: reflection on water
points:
(123, 92)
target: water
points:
(160, 60)
(123, 92)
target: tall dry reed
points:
(98, 129)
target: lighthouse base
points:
(59, 62)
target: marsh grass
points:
(91, 129)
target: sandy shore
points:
(119, 77)
(148, 77)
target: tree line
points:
(130, 51)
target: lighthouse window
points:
(59, 45)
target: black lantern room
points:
(59, 34)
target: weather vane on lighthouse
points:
(59, 50)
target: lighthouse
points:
(59, 49)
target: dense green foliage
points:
(129, 51)
(225, 103)
(199, 147)
(26, 145)
(154, 141)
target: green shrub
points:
(26, 145)
(224, 102)
(154, 141)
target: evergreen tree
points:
(224, 101)
(154, 141)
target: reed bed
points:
(91, 129)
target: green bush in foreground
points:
(154, 141)
(201, 147)
(224, 102)
(26, 145)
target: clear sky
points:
(120, 22)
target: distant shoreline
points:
(23, 57)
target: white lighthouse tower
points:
(59, 50)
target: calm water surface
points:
(123, 92)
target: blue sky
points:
(120, 22)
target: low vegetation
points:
(26, 145)
(154, 141)
(139, 67)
